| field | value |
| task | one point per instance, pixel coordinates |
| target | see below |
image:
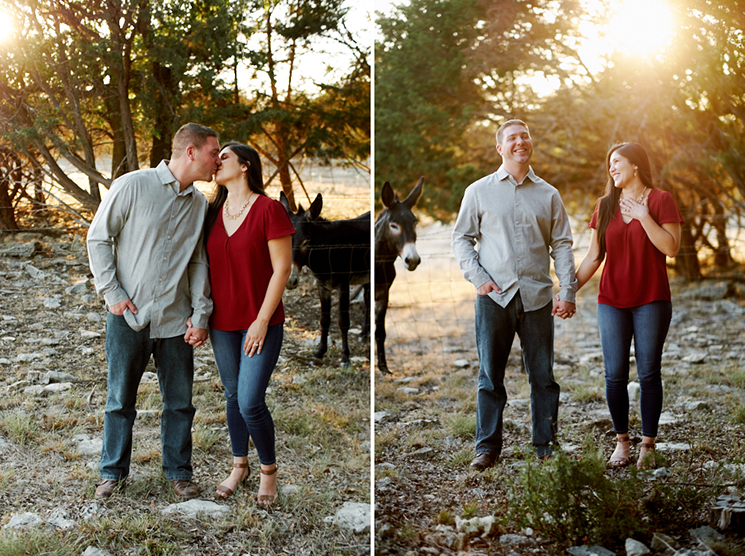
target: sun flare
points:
(6, 27)
(640, 27)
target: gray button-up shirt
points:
(518, 227)
(145, 244)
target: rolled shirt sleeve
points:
(104, 229)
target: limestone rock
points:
(516, 540)
(381, 416)
(23, 250)
(79, 287)
(59, 520)
(93, 551)
(26, 520)
(590, 551)
(409, 391)
(661, 542)
(634, 388)
(484, 526)
(635, 548)
(352, 515)
(422, 453)
(197, 507)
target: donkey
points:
(338, 254)
(395, 235)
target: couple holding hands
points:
(519, 223)
(175, 269)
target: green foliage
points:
(573, 502)
(445, 518)
(463, 426)
(21, 427)
(425, 96)
(445, 76)
(38, 541)
(470, 510)
(738, 415)
(686, 502)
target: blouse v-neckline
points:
(245, 217)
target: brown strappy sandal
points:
(225, 492)
(267, 500)
(646, 460)
(620, 461)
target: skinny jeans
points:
(245, 380)
(648, 325)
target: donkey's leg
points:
(344, 320)
(366, 324)
(324, 293)
(381, 306)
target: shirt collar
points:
(167, 178)
(503, 174)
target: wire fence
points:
(431, 310)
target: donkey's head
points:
(395, 228)
(299, 241)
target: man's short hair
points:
(507, 124)
(190, 134)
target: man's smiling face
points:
(516, 145)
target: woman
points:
(249, 244)
(634, 228)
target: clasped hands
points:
(194, 336)
(561, 309)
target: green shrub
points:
(738, 415)
(572, 501)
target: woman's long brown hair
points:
(635, 154)
(248, 156)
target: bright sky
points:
(640, 28)
(329, 59)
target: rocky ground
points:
(52, 397)
(428, 501)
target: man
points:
(519, 222)
(148, 261)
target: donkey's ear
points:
(388, 196)
(413, 197)
(315, 207)
(284, 200)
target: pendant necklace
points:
(639, 199)
(243, 209)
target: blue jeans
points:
(648, 324)
(495, 331)
(245, 380)
(127, 354)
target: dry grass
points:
(321, 414)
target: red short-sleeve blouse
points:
(635, 271)
(240, 265)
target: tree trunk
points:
(686, 263)
(7, 214)
(162, 132)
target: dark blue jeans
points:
(127, 354)
(648, 325)
(245, 380)
(495, 332)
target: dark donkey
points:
(338, 254)
(395, 235)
